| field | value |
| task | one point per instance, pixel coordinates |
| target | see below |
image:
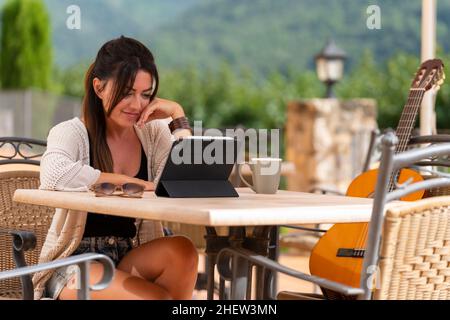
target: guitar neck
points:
(408, 119)
(406, 125)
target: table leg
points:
(271, 279)
(214, 244)
(259, 278)
(249, 282)
(210, 262)
(265, 242)
(239, 280)
(210, 265)
(222, 289)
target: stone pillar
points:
(327, 140)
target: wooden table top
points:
(250, 209)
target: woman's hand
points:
(160, 109)
(149, 186)
(121, 179)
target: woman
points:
(119, 140)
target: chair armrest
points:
(223, 267)
(22, 241)
(436, 138)
(82, 260)
(435, 163)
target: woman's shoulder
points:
(72, 124)
(73, 128)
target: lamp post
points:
(330, 66)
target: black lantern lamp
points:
(330, 66)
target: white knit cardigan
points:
(65, 167)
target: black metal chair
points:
(21, 150)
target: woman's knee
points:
(183, 250)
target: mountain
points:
(261, 35)
(285, 34)
(102, 20)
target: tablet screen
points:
(201, 158)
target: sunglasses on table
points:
(130, 190)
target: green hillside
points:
(259, 34)
(286, 34)
(102, 20)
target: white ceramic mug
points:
(266, 174)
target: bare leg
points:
(169, 262)
(123, 287)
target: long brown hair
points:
(118, 60)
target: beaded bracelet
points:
(179, 123)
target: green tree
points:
(26, 52)
(70, 81)
(223, 97)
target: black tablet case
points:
(198, 179)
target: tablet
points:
(199, 167)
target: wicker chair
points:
(15, 216)
(23, 228)
(415, 252)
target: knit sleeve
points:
(162, 143)
(63, 165)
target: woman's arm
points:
(62, 167)
(161, 109)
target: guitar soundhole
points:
(350, 253)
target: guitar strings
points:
(406, 121)
(404, 129)
(414, 100)
(413, 115)
(410, 116)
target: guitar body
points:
(328, 260)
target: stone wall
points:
(31, 113)
(327, 140)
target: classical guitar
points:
(339, 254)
